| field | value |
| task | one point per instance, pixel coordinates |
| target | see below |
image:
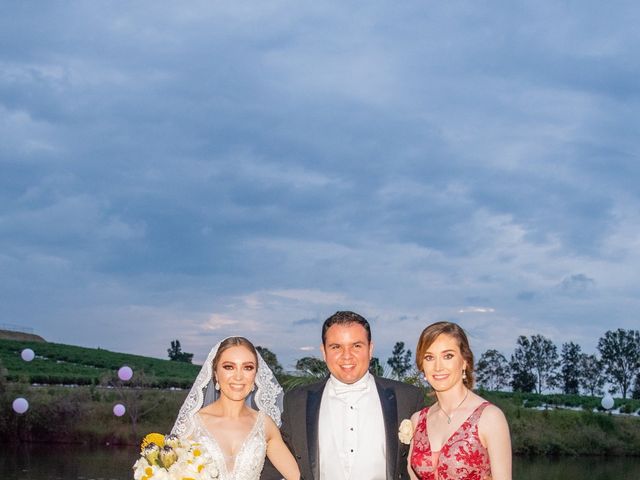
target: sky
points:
(193, 170)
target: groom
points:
(345, 427)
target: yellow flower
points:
(197, 452)
(168, 456)
(151, 452)
(172, 440)
(156, 438)
(405, 432)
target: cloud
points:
(476, 310)
(307, 321)
(578, 284)
(252, 168)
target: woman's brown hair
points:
(433, 331)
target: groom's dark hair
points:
(345, 318)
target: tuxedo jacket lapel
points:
(390, 413)
(314, 397)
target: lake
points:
(77, 462)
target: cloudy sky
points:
(197, 169)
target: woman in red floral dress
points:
(461, 436)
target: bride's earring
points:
(217, 386)
(464, 375)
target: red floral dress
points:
(462, 457)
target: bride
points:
(233, 410)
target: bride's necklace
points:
(449, 417)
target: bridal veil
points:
(266, 397)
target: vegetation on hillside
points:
(82, 410)
(67, 364)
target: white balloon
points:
(125, 373)
(607, 402)
(118, 410)
(27, 354)
(20, 405)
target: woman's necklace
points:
(449, 417)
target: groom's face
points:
(347, 352)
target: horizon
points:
(196, 171)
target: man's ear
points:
(370, 350)
(324, 355)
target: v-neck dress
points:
(462, 457)
(249, 460)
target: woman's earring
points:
(217, 386)
(464, 375)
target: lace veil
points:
(266, 397)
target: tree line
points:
(536, 365)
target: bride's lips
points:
(440, 377)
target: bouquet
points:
(171, 458)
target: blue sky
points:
(195, 171)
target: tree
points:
(636, 388)
(271, 360)
(176, 354)
(132, 395)
(545, 362)
(591, 377)
(400, 360)
(375, 368)
(570, 372)
(522, 379)
(3, 379)
(492, 370)
(312, 366)
(620, 354)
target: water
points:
(577, 468)
(76, 462)
(66, 462)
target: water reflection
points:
(592, 468)
(66, 462)
(76, 462)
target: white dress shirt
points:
(351, 433)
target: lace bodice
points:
(249, 460)
(462, 457)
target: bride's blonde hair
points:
(227, 343)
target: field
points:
(71, 392)
(70, 365)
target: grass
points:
(57, 363)
(83, 413)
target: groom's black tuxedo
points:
(300, 426)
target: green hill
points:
(59, 364)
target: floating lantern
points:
(118, 410)
(607, 402)
(125, 373)
(27, 355)
(20, 405)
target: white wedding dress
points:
(267, 399)
(248, 462)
